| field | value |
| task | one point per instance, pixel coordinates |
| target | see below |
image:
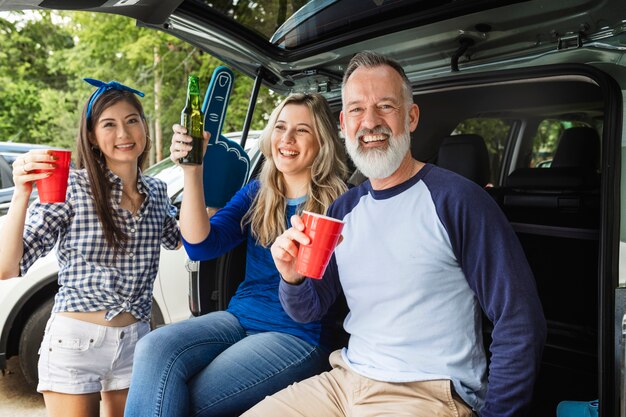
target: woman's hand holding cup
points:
(34, 165)
(285, 250)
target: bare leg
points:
(72, 405)
(113, 403)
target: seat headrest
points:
(574, 165)
(466, 155)
(579, 147)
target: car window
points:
(297, 23)
(546, 140)
(169, 173)
(159, 167)
(495, 132)
(9, 157)
(11, 150)
(6, 176)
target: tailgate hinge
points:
(574, 40)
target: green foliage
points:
(19, 101)
(58, 114)
(26, 78)
(43, 61)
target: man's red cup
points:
(324, 233)
(53, 188)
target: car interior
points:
(554, 206)
(555, 210)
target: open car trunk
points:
(567, 228)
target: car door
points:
(6, 185)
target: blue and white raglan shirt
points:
(417, 264)
(92, 277)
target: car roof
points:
(11, 150)
(19, 147)
(308, 48)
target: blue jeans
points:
(210, 366)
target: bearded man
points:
(425, 253)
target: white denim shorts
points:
(77, 357)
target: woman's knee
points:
(155, 344)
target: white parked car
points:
(8, 152)
(25, 303)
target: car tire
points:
(30, 340)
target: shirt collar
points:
(142, 185)
(116, 189)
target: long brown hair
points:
(90, 157)
(266, 215)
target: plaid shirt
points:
(91, 278)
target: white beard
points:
(379, 162)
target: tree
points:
(58, 49)
(28, 84)
(113, 47)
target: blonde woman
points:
(224, 362)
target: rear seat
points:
(466, 155)
(556, 214)
(566, 194)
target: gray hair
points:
(370, 59)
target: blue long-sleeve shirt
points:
(255, 303)
(417, 264)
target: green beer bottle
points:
(191, 118)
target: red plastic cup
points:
(53, 188)
(324, 233)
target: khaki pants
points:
(342, 392)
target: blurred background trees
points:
(45, 55)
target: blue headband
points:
(102, 87)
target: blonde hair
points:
(266, 215)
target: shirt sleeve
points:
(45, 223)
(310, 300)
(170, 237)
(496, 269)
(226, 230)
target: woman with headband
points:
(108, 234)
